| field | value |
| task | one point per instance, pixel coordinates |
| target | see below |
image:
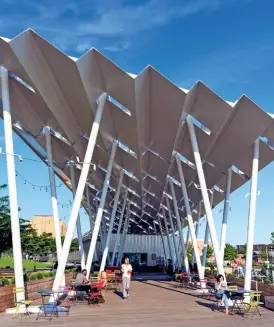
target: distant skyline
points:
(227, 44)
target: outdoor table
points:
(237, 298)
(51, 308)
(74, 287)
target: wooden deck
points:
(152, 303)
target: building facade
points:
(45, 224)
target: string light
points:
(46, 187)
(22, 158)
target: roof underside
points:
(145, 113)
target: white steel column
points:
(176, 249)
(201, 176)
(196, 233)
(168, 240)
(111, 222)
(252, 216)
(179, 224)
(205, 249)
(54, 204)
(187, 238)
(91, 223)
(124, 235)
(189, 217)
(79, 192)
(78, 224)
(119, 228)
(89, 209)
(163, 241)
(14, 216)
(102, 242)
(101, 208)
(225, 213)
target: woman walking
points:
(126, 276)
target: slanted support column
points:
(163, 241)
(102, 235)
(187, 238)
(196, 233)
(251, 216)
(189, 217)
(111, 222)
(79, 193)
(101, 208)
(207, 235)
(179, 224)
(168, 240)
(14, 216)
(78, 224)
(53, 193)
(225, 213)
(123, 238)
(176, 249)
(91, 223)
(201, 176)
(89, 209)
(119, 228)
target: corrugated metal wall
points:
(150, 244)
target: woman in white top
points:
(126, 276)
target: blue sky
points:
(228, 44)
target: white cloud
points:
(78, 25)
(132, 19)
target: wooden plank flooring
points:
(152, 303)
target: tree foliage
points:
(5, 223)
(210, 252)
(230, 252)
(30, 241)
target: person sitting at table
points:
(221, 293)
(81, 278)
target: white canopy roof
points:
(145, 113)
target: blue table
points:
(50, 309)
(237, 297)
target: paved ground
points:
(152, 303)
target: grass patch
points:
(27, 264)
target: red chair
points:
(96, 293)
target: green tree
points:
(30, 241)
(263, 254)
(5, 223)
(210, 252)
(189, 252)
(272, 238)
(230, 252)
(242, 249)
(74, 244)
(46, 243)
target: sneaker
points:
(128, 297)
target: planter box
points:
(269, 302)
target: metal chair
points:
(253, 306)
(95, 294)
(67, 298)
(19, 304)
